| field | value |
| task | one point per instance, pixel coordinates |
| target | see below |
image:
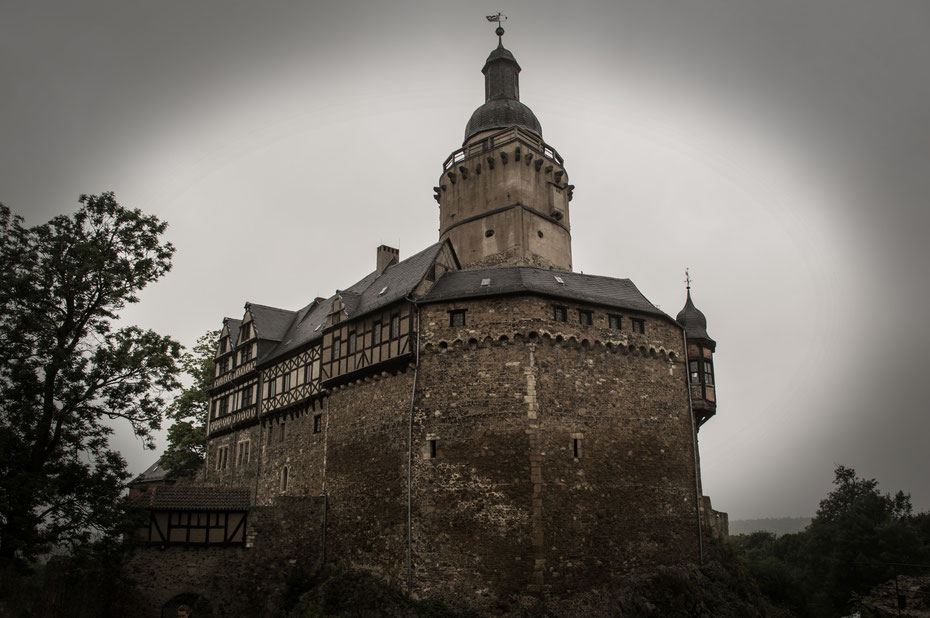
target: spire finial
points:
(688, 279)
(499, 17)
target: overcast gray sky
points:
(781, 150)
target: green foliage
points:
(858, 539)
(65, 370)
(187, 439)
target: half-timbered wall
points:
(355, 345)
(291, 380)
(196, 528)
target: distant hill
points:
(777, 525)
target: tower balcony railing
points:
(501, 138)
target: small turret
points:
(700, 359)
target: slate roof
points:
(398, 281)
(173, 498)
(271, 323)
(152, 474)
(693, 320)
(620, 293)
(233, 324)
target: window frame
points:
(614, 321)
(638, 325)
(585, 317)
(457, 314)
(559, 313)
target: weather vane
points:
(499, 18)
(688, 278)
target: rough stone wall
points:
(234, 475)
(300, 451)
(237, 581)
(506, 507)
(366, 474)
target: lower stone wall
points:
(237, 581)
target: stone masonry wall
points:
(506, 507)
(237, 581)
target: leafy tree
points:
(65, 369)
(187, 438)
(859, 538)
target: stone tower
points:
(503, 196)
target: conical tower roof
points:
(693, 320)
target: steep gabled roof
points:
(271, 323)
(620, 293)
(397, 281)
(152, 474)
(233, 325)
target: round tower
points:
(503, 196)
(700, 360)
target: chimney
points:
(386, 257)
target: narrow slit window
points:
(317, 423)
(433, 449)
(576, 448)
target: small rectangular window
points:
(433, 449)
(317, 423)
(395, 326)
(585, 318)
(246, 354)
(224, 405)
(708, 373)
(576, 447)
(286, 382)
(247, 396)
(695, 376)
(337, 348)
(559, 314)
(457, 317)
(613, 322)
(246, 332)
(376, 333)
(352, 341)
(639, 326)
(272, 384)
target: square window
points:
(559, 314)
(586, 318)
(639, 326)
(457, 317)
(317, 423)
(613, 322)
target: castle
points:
(473, 423)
